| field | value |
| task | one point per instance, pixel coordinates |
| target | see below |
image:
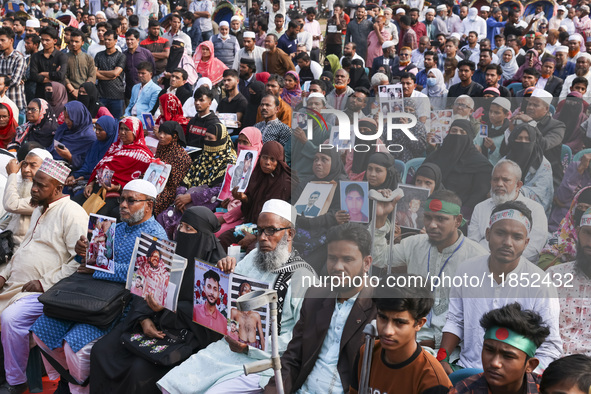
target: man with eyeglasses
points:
(136, 206)
(276, 262)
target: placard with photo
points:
(440, 123)
(229, 120)
(243, 169)
(156, 270)
(210, 304)
(101, 243)
(315, 199)
(148, 122)
(409, 210)
(157, 174)
(355, 200)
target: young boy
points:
(511, 338)
(567, 375)
(580, 84)
(399, 364)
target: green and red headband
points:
(445, 207)
(510, 337)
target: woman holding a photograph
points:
(117, 369)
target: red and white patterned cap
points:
(55, 169)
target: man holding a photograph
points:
(207, 313)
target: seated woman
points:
(572, 114)
(127, 159)
(465, 170)
(88, 95)
(117, 370)
(8, 125)
(562, 244)
(57, 97)
(292, 92)
(171, 143)
(271, 178)
(73, 138)
(250, 138)
(202, 184)
(435, 89)
(429, 176)
(576, 177)
(207, 64)
(106, 133)
(309, 240)
(256, 90)
(536, 172)
(40, 126)
(412, 149)
(356, 162)
(171, 109)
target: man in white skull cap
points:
(276, 262)
(249, 51)
(70, 343)
(225, 45)
(582, 69)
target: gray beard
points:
(135, 218)
(498, 199)
(273, 260)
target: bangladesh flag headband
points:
(512, 338)
(440, 206)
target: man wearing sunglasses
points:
(274, 261)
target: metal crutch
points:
(371, 332)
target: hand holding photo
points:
(148, 122)
(409, 210)
(229, 120)
(243, 169)
(101, 243)
(210, 307)
(355, 200)
(483, 130)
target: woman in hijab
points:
(508, 65)
(310, 239)
(203, 182)
(465, 171)
(56, 96)
(358, 76)
(263, 77)
(436, 90)
(88, 95)
(171, 143)
(429, 176)
(8, 125)
(328, 78)
(250, 138)
(270, 179)
(332, 64)
(126, 159)
(179, 58)
(292, 92)
(106, 133)
(118, 370)
(412, 148)
(531, 61)
(497, 121)
(562, 244)
(256, 90)
(525, 149)
(41, 124)
(572, 114)
(73, 138)
(171, 109)
(356, 161)
(207, 64)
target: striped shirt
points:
(14, 65)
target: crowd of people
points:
(490, 107)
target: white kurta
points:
(217, 363)
(16, 202)
(468, 303)
(537, 237)
(47, 251)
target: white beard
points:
(275, 259)
(501, 199)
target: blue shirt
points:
(18, 39)
(288, 45)
(53, 332)
(325, 377)
(422, 78)
(493, 28)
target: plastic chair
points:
(515, 87)
(412, 164)
(580, 154)
(400, 167)
(462, 374)
(566, 156)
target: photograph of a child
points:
(409, 210)
(101, 242)
(355, 200)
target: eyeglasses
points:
(269, 231)
(129, 201)
(32, 109)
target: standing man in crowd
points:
(81, 66)
(48, 65)
(12, 63)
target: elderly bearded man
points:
(273, 261)
(505, 185)
(45, 257)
